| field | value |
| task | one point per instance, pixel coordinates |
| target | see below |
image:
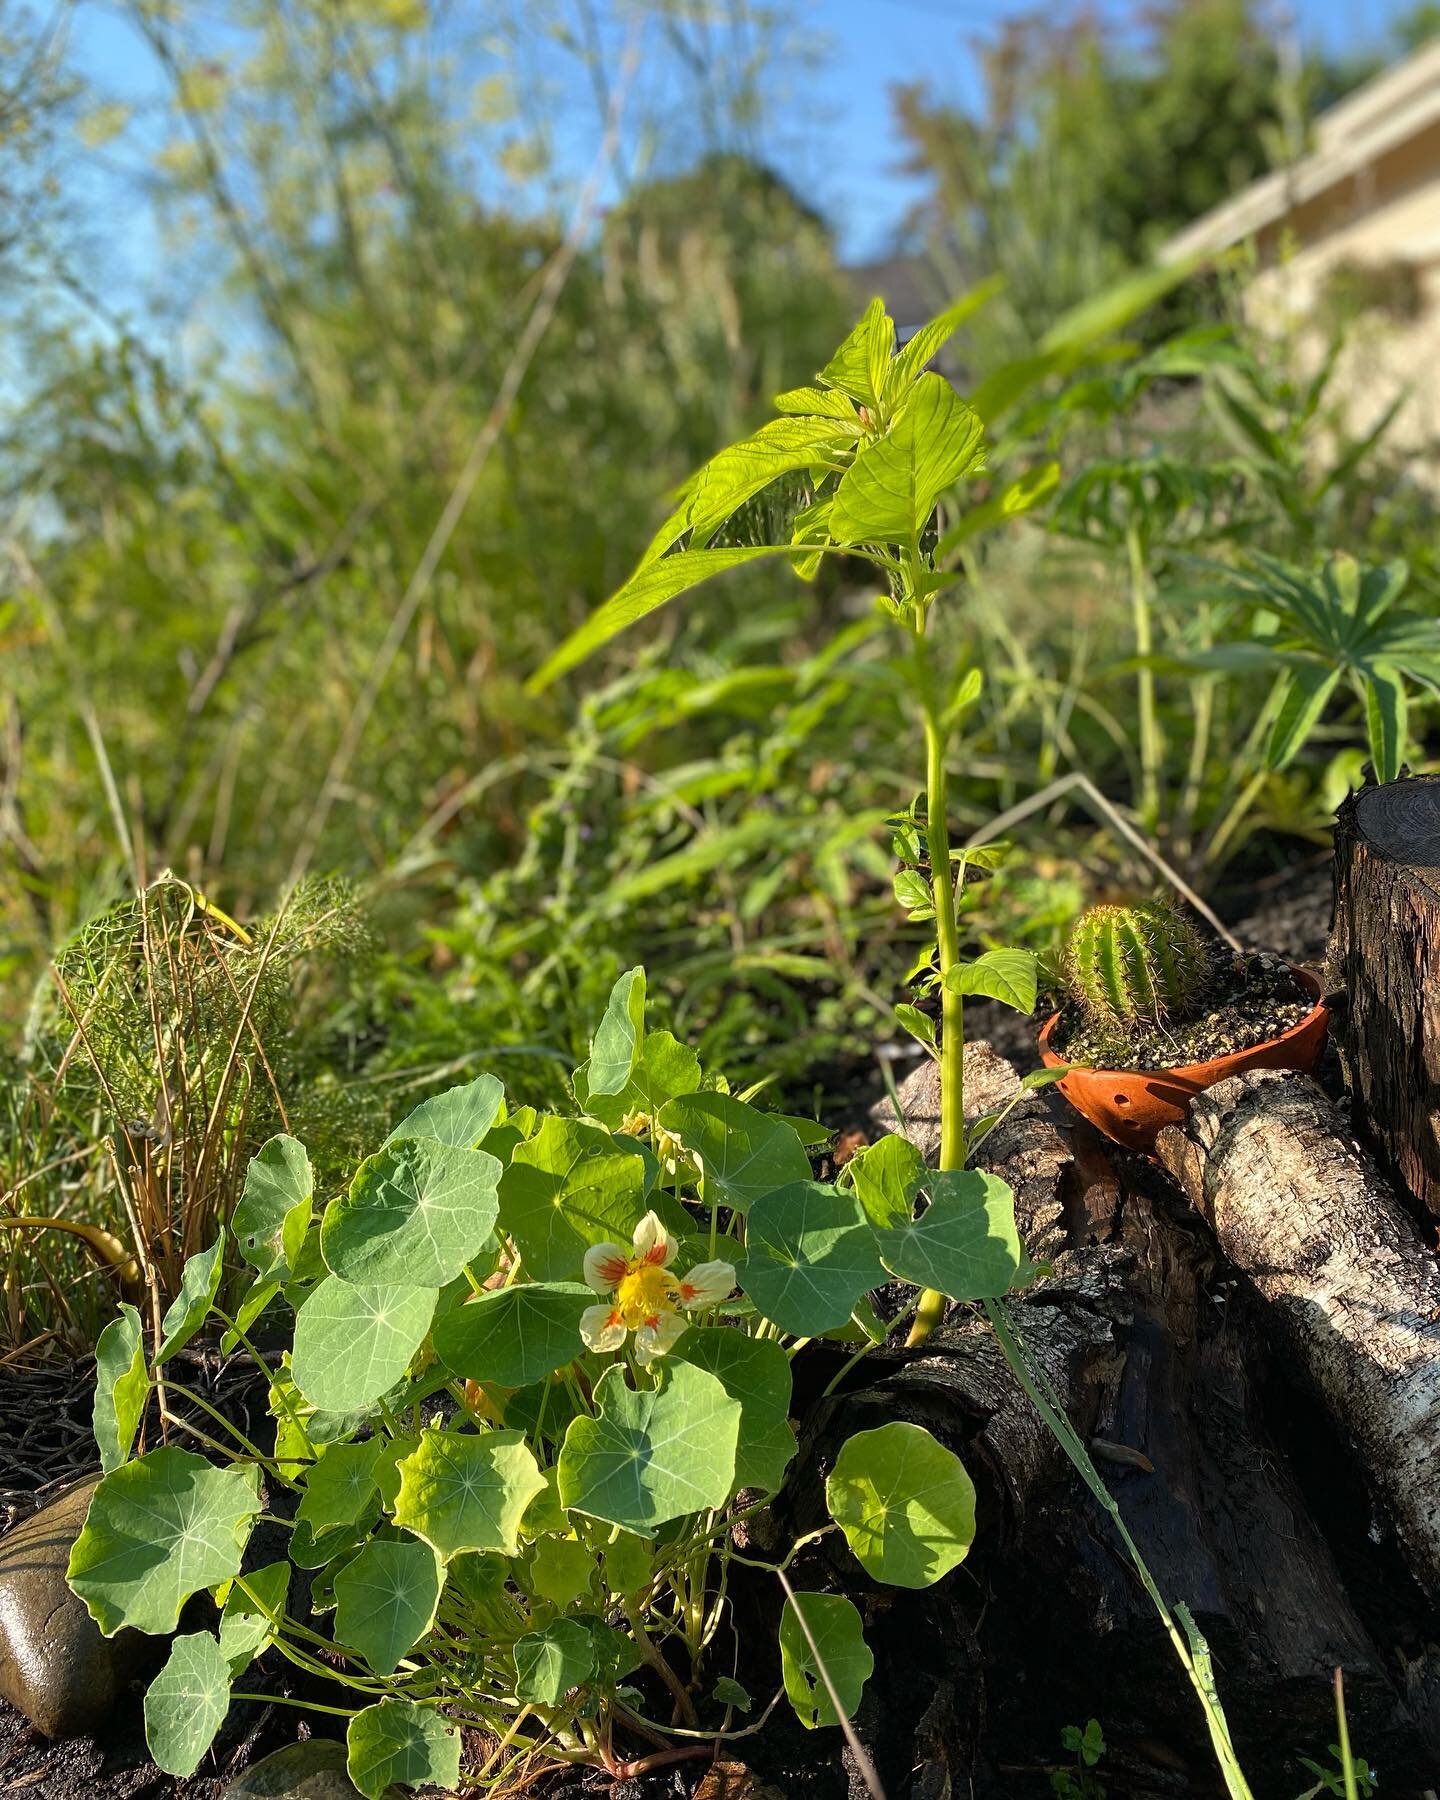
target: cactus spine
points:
(1142, 963)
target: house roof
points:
(1378, 117)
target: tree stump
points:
(1385, 953)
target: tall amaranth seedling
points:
(878, 443)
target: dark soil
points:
(1255, 998)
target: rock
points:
(733, 1781)
(312, 1770)
(990, 1082)
(55, 1667)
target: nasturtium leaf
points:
(158, 1530)
(664, 1068)
(810, 1257)
(340, 1486)
(274, 1210)
(568, 1187)
(385, 1600)
(1009, 976)
(904, 1502)
(743, 1152)
(615, 1652)
(514, 1335)
(728, 1692)
(122, 1385)
(416, 1213)
(467, 1490)
(186, 1703)
(889, 491)
(651, 1456)
(629, 1563)
(459, 1117)
(260, 1294)
(187, 1312)
(251, 1615)
(400, 1744)
(352, 1344)
(549, 1662)
(756, 1372)
(479, 1581)
(617, 1041)
(823, 1631)
(964, 1244)
(560, 1570)
(886, 1176)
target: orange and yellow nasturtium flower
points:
(644, 1297)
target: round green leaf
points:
(664, 1068)
(467, 1490)
(756, 1372)
(122, 1386)
(187, 1312)
(400, 1744)
(904, 1502)
(274, 1210)
(560, 1570)
(385, 1600)
(352, 1344)
(810, 1257)
(186, 1703)
(460, 1116)
(416, 1213)
(652, 1456)
(516, 1335)
(568, 1187)
(743, 1153)
(823, 1631)
(964, 1244)
(339, 1487)
(617, 1041)
(158, 1531)
(251, 1615)
(549, 1663)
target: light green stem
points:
(1145, 680)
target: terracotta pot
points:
(1131, 1105)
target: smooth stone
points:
(312, 1770)
(55, 1667)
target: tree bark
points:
(1385, 954)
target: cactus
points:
(1142, 963)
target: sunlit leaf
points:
(352, 1344)
(186, 1703)
(122, 1385)
(964, 1244)
(416, 1212)
(459, 1117)
(904, 1502)
(467, 1490)
(823, 1632)
(385, 1600)
(400, 1744)
(810, 1256)
(889, 491)
(515, 1335)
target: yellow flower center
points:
(645, 1291)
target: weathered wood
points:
(1302, 1212)
(1385, 954)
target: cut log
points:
(1303, 1213)
(1385, 954)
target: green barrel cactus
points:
(1141, 963)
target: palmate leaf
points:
(616, 1044)
(743, 1152)
(646, 1458)
(416, 1213)
(756, 1373)
(187, 1312)
(274, 1210)
(459, 1117)
(186, 1703)
(664, 1069)
(400, 1744)
(823, 1631)
(964, 1244)
(385, 1600)
(122, 1385)
(904, 1502)
(514, 1336)
(549, 1662)
(468, 1491)
(890, 490)
(570, 1186)
(810, 1256)
(339, 1488)
(352, 1344)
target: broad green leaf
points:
(614, 1651)
(664, 1069)
(920, 1025)
(515, 1335)
(756, 1373)
(742, 1152)
(339, 1487)
(868, 346)
(187, 1312)
(273, 1212)
(1307, 692)
(964, 1244)
(739, 472)
(416, 1213)
(468, 1491)
(652, 1456)
(560, 1570)
(385, 1600)
(931, 338)
(889, 491)
(817, 402)
(810, 1257)
(1385, 718)
(459, 1117)
(904, 1502)
(400, 1744)
(158, 1530)
(249, 1310)
(727, 1692)
(569, 1187)
(186, 1703)
(629, 1564)
(616, 1044)
(652, 584)
(886, 1176)
(823, 1631)
(352, 1344)
(549, 1662)
(122, 1386)
(1008, 976)
(251, 1615)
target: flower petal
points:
(707, 1283)
(657, 1335)
(605, 1266)
(602, 1328)
(653, 1243)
